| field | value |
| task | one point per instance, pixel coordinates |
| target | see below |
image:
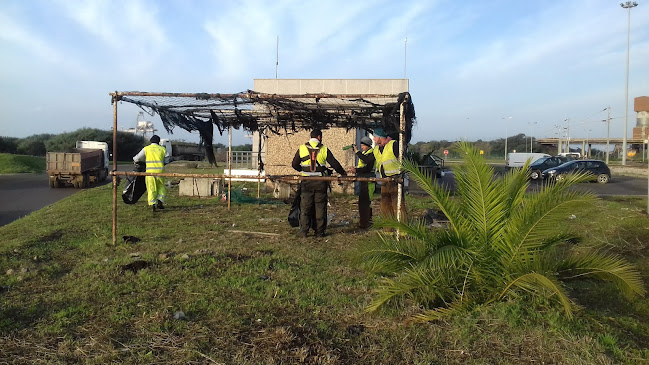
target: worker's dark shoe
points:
(153, 206)
(320, 234)
(302, 234)
(160, 205)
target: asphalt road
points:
(618, 185)
(21, 194)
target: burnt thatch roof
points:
(271, 113)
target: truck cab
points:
(166, 143)
(96, 146)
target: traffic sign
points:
(446, 152)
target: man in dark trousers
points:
(365, 168)
(386, 153)
(311, 160)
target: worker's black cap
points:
(155, 139)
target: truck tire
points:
(52, 184)
(85, 181)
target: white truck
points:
(518, 159)
(87, 164)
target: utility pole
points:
(608, 132)
(627, 5)
(506, 135)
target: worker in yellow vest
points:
(365, 168)
(154, 156)
(311, 159)
(386, 154)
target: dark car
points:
(596, 168)
(432, 164)
(544, 163)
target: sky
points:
(477, 69)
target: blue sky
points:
(472, 64)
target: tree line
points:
(128, 144)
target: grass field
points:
(13, 164)
(250, 292)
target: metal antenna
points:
(405, 57)
(277, 57)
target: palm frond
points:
(537, 283)
(416, 283)
(483, 203)
(537, 219)
(389, 255)
(439, 312)
(604, 267)
(515, 182)
(415, 228)
(439, 194)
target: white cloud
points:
(16, 33)
(130, 29)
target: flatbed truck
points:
(86, 164)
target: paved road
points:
(618, 185)
(21, 194)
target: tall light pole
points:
(506, 135)
(531, 124)
(627, 5)
(608, 132)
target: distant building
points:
(641, 106)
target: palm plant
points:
(499, 241)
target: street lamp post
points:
(531, 124)
(506, 135)
(627, 5)
(608, 132)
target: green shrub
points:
(500, 241)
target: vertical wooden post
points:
(229, 166)
(115, 99)
(402, 149)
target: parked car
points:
(544, 163)
(596, 168)
(518, 159)
(437, 162)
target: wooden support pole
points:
(230, 166)
(115, 99)
(402, 149)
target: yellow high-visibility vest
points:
(155, 158)
(361, 163)
(387, 159)
(313, 159)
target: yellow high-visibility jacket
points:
(155, 158)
